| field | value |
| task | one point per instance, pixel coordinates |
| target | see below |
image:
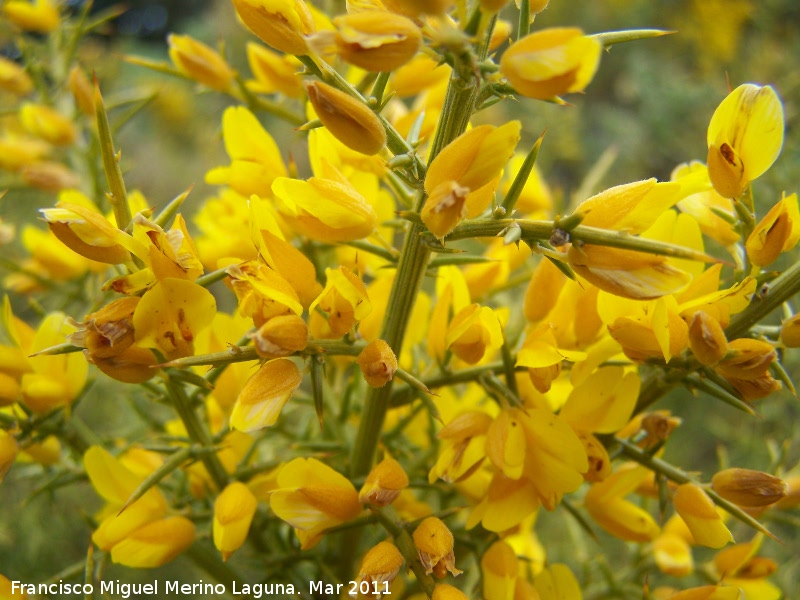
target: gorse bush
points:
(390, 359)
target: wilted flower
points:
(280, 336)
(376, 41)
(384, 483)
(378, 363)
(434, 543)
(777, 232)
(379, 567)
(751, 489)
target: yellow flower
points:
(155, 544)
(671, 549)
(312, 497)
(556, 583)
(349, 120)
(170, 314)
(434, 543)
(262, 292)
(472, 332)
(739, 567)
(777, 232)
(541, 354)
(415, 8)
(81, 90)
(44, 122)
(255, 157)
(40, 16)
(344, 299)
(709, 592)
(602, 403)
(506, 503)
(283, 24)
(597, 456)
(747, 359)
(233, 512)
(379, 567)
(56, 380)
(378, 363)
(751, 489)
(443, 591)
(631, 207)
(327, 210)
(461, 447)
(49, 176)
(376, 41)
(707, 205)
(499, 567)
(551, 62)
(13, 78)
(199, 62)
(701, 516)
(264, 395)
(292, 264)
(17, 151)
(619, 517)
(790, 332)
(470, 162)
(273, 72)
(660, 332)
(384, 483)
(744, 138)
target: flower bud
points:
(280, 336)
(13, 78)
(200, 62)
(384, 483)
(747, 359)
(81, 90)
(701, 516)
(233, 513)
(707, 339)
(263, 396)
(39, 16)
(551, 62)
(378, 363)
(434, 543)
(348, 119)
(109, 331)
(379, 567)
(283, 24)
(376, 41)
(750, 489)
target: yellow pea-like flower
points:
(376, 41)
(46, 123)
(312, 497)
(744, 138)
(13, 78)
(603, 403)
(790, 332)
(282, 24)
(345, 300)
(500, 568)
(155, 544)
(709, 592)
(200, 62)
(472, 332)
(327, 210)
(443, 591)
(234, 509)
(263, 396)
(551, 62)
(273, 72)
(701, 516)
(606, 503)
(349, 120)
(461, 448)
(777, 232)
(280, 336)
(747, 359)
(434, 543)
(40, 16)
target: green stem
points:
(197, 433)
(783, 287)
